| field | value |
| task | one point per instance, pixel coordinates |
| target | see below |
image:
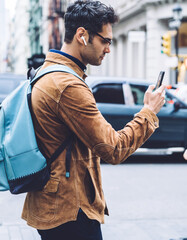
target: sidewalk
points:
(17, 232)
(146, 202)
(12, 227)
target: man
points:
(72, 208)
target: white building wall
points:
(135, 54)
(112, 64)
(153, 43)
(44, 26)
(20, 41)
(119, 57)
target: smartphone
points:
(160, 79)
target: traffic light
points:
(166, 43)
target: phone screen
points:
(160, 79)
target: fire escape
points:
(57, 10)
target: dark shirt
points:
(79, 63)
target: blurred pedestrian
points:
(73, 207)
(182, 72)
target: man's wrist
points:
(151, 109)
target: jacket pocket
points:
(43, 203)
(92, 183)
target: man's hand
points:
(154, 100)
(185, 155)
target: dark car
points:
(8, 82)
(118, 99)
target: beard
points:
(92, 57)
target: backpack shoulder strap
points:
(67, 142)
(55, 68)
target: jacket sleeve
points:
(77, 108)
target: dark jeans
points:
(82, 229)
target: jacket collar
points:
(79, 63)
(64, 59)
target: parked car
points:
(119, 99)
(8, 82)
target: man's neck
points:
(69, 49)
(73, 57)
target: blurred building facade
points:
(46, 27)
(56, 11)
(136, 52)
(19, 47)
(37, 26)
(37, 31)
(136, 49)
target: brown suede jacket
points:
(63, 105)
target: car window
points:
(138, 92)
(108, 93)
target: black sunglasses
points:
(107, 40)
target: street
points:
(145, 201)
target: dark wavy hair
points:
(91, 15)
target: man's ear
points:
(81, 36)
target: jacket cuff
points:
(149, 115)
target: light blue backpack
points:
(23, 168)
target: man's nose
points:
(107, 49)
